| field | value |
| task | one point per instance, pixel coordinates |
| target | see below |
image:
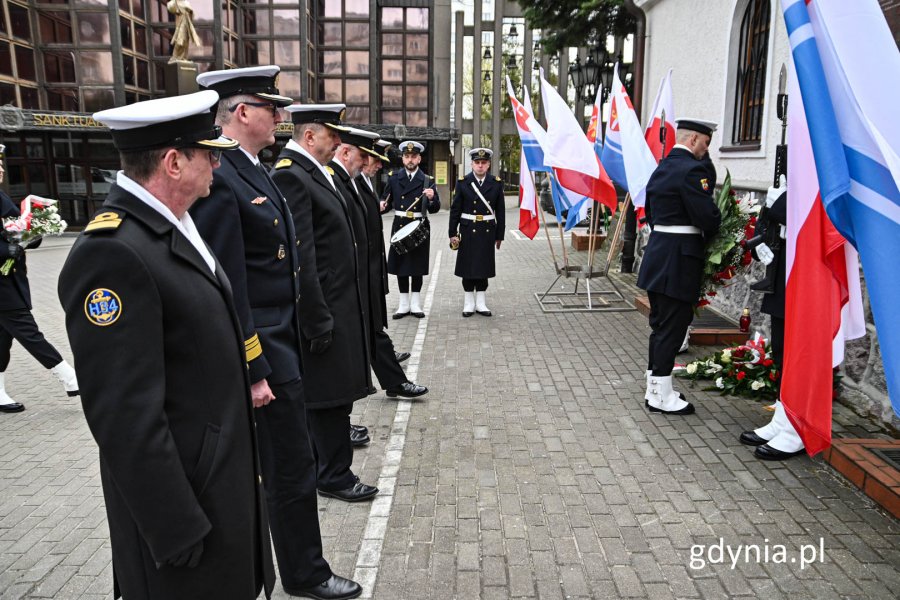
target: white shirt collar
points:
(253, 159)
(368, 183)
(413, 174)
(683, 147)
(344, 169)
(185, 225)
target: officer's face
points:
(353, 159)
(325, 142)
(701, 144)
(411, 160)
(371, 166)
(480, 167)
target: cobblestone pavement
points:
(531, 470)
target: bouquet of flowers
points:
(745, 370)
(39, 217)
(725, 252)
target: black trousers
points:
(19, 325)
(388, 371)
(403, 283)
(329, 430)
(669, 322)
(778, 344)
(289, 478)
(475, 285)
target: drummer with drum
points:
(477, 225)
(412, 195)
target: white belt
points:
(408, 214)
(469, 217)
(682, 229)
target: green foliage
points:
(746, 370)
(565, 23)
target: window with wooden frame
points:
(751, 71)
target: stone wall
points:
(863, 384)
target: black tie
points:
(263, 170)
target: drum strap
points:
(480, 197)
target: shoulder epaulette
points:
(329, 169)
(105, 220)
(462, 177)
(498, 178)
(390, 173)
(429, 177)
(284, 162)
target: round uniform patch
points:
(102, 307)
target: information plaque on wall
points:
(440, 172)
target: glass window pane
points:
(162, 42)
(102, 150)
(29, 97)
(357, 63)
(203, 11)
(5, 60)
(15, 175)
(125, 32)
(417, 96)
(332, 9)
(143, 74)
(70, 179)
(25, 63)
(20, 26)
(392, 96)
(417, 70)
(330, 33)
(59, 66)
(417, 118)
(37, 180)
(93, 28)
(289, 83)
(287, 53)
(392, 117)
(96, 67)
(392, 70)
(62, 99)
(392, 18)
(392, 44)
(207, 44)
(128, 69)
(358, 34)
(286, 22)
(417, 18)
(140, 39)
(54, 30)
(417, 44)
(256, 22)
(98, 99)
(356, 8)
(357, 91)
(357, 114)
(330, 90)
(330, 62)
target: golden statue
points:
(184, 34)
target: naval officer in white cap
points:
(683, 216)
(162, 368)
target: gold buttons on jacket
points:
(275, 223)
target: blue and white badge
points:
(102, 307)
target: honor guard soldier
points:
(248, 225)
(778, 440)
(16, 320)
(682, 214)
(477, 225)
(162, 366)
(412, 195)
(385, 361)
(333, 319)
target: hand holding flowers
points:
(40, 217)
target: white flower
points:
(720, 384)
(757, 385)
(691, 368)
(726, 353)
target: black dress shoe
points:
(333, 588)
(467, 314)
(357, 493)
(12, 408)
(687, 410)
(418, 315)
(400, 315)
(484, 313)
(358, 439)
(359, 428)
(751, 439)
(401, 356)
(767, 452)
(407, 390)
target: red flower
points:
(710, 293)
(768, 362)
(702, 303)
(753, 220)
(746, 259)
(773, 375)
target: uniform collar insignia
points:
(258, 200)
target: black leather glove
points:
(320, 344)
(189, 558)
(15, 250)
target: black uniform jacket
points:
(773, 304)
(161, 368)
(475, 259)
(330, 296)
(401, 194)
(358, 218)
(248, 225)
(378, 279)
(679, 193)
(15, 294)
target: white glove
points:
(765, 254)
(774, 192)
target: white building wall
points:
(695, 39)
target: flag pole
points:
(540, 211)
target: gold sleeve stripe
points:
(253, 348)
